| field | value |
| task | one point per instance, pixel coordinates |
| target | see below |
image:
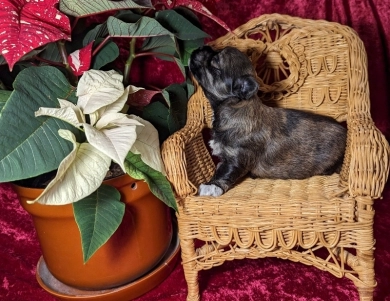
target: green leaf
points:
(169, 119)
(177, 99)
(31, 54)
(97, 32)
(127, 16)
(142, 28)
(98, 216)
(157, 114)
(181, 67)
(80, 8)
(161, 44)
(29, 145)
(179, 25)
(51, 53)
(4, 96)
(108, 53)
(187, 47)
(157, 182)
(190, 88)
(101, 30)
(2, 60)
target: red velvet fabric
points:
(242, 280)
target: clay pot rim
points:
(118, 180)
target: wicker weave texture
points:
(309, 65)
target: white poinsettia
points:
(95, 86)
(78, 175)
(110, 136)
(148, 146)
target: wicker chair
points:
(310, 65)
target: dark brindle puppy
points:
(250, 137)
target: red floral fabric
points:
(246, 280)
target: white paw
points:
(209, 190)
(215, 147)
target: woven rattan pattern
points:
(309, 65)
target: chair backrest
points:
(316, 66)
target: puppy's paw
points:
(209, 190)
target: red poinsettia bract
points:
(29, 24)
(80, 60)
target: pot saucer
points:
(125, 292)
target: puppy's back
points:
(300, 145)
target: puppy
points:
(251, 138)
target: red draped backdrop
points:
(264, 279)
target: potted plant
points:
(70, 115)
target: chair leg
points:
(366, 294)
(363, 264)
(367, 282)
(189, 266)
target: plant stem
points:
(100, 46)
(64, 56)
(74, 23)
(129, 62)
(51, 63)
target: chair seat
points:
(274, 213)
(317, 198)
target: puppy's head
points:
(223, 74)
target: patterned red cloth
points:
(246, 280)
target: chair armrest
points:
(186, 158)
(366, 164)
(368, 154)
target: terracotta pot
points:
(136, 247)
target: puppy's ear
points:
(245, 87)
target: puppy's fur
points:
(250, 137)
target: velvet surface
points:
(265, 279)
